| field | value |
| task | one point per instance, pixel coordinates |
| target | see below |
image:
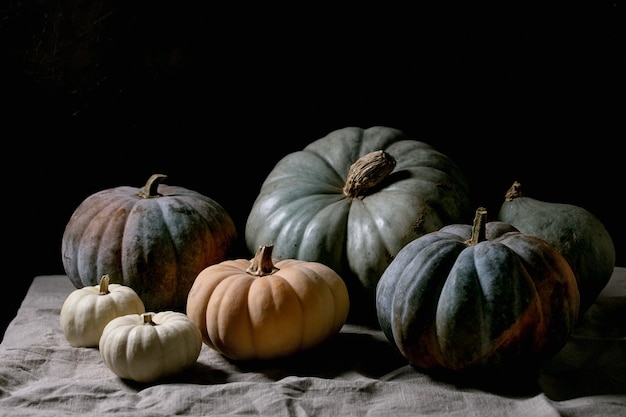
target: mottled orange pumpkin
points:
(154, 239)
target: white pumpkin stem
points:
(479, 227)
(514, 192)
(147, 318)
(104, 285)
(150, 190)
(262, 263)
(367, 172)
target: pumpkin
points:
(352, 199)
(266, 309)
(574, 231)
(87, 310)
(150, 346)
(154, 239)
(477, 298)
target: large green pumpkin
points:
(482, 298)
(351, 200)
(154, 239)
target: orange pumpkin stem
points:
(479, 227)
(104, 285)
(150, 190)
(262, 263)
(367, 172)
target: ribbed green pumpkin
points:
(154, 239)
(486, 297)
(578, 234)
(352, 199)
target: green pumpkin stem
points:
(104, 285)
(479, 227)
(514, 192)
(262, 263)
(367, 172)
(152, 185)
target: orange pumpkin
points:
(259, 309)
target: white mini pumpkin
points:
(149, 346)
(87, 310)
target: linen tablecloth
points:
(355, 373)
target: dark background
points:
(102, 93)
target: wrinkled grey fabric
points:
(355, 373)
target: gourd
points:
(154, 239)
(481, 298)
(352, 199)
(150, 346)
(86, 311)
(266, 309)
(579, 235)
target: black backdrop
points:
(104, 93)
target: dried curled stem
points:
(367, 172)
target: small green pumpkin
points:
(352, 199)
(154, 239)
(482, 297)
(579, 235)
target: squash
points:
(352, 199)
(261, 309)
(154, 239)
(481, 298)
(87, 310)
(150, 346)
(579, 235)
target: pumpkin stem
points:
(479, 227)
(367, 172)
(150, 189)
(514, 192)
(147, 318)
(104, 285)
(262, 263)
